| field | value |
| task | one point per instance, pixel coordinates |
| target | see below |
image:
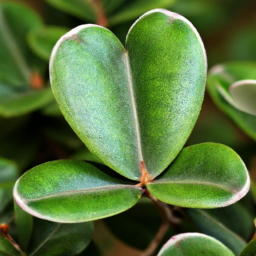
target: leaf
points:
(54, 239)
(85, 154)
(80, 8)
(194, 244)
(244, 93)
(220, 78)
(42, 40)
(129, 107)
(7, 249)
(8, 171)
(214, 175)
(137, 8)
(17, 103)
(211, 226)
(16, 20)
(72, 191)
(24, 224)
(5, 194)
(250, 249)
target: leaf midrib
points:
(14, 50)
(81, 191)
(193, 182)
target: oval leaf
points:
(129, 107)
(54, 239)
(219, 80)
(214, 175)
(244, 94)
(73, 191)
(194, 244)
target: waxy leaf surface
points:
(244, 93)
(219, 81)
(206, 175)
(194, 244)
(73, 191)
(55, 239)
(132, 105)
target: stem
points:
(168, 218)
(101, 16)
(10, 239)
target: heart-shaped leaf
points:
(194, 244)
(133, 109)
(54, 239)
(24, 224)
(209, 225)
(42, 40)
(214, 175)
(244, 94)
(73, 191)
(220, 79)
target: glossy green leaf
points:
(16, 21)
(73, 191)
(24, 224)
(7, 249)
(211, 226)
(8, 171)
(42, 40)
(85, 154)
(137, 8)
(244, 93)
(131, 106)
(80, 8)
(220, 79)
(55, 239)
(250, 249)
(214, 175)
(194, 244)
(14, 103)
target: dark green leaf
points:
(244, 93)
(73, 191)
(5, 194)
(194, 244)
(7, 249)
(16, 21)
(214, 175)
(136, 9)
(55, 239)
(124, 113)
(250, 249)
(211, 226)
(8, 171)
(43, 40)
(220, 79)
(24, 224)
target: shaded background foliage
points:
(29, 138)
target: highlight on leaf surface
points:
(194, 244)
(137, 104)
(70, 191)
(214, 175)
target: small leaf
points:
(24, 224)
(55, 239)
(194, 244)
(250, 249)
(8, 171)
(17, 103)
(7, 249)
(42, 40)
(80, 8)
(244, 94)
(126, 115)
(214, 175)
(73, 191)
(137, 8)
(219, 80)
(211, 226)
(16, 20)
